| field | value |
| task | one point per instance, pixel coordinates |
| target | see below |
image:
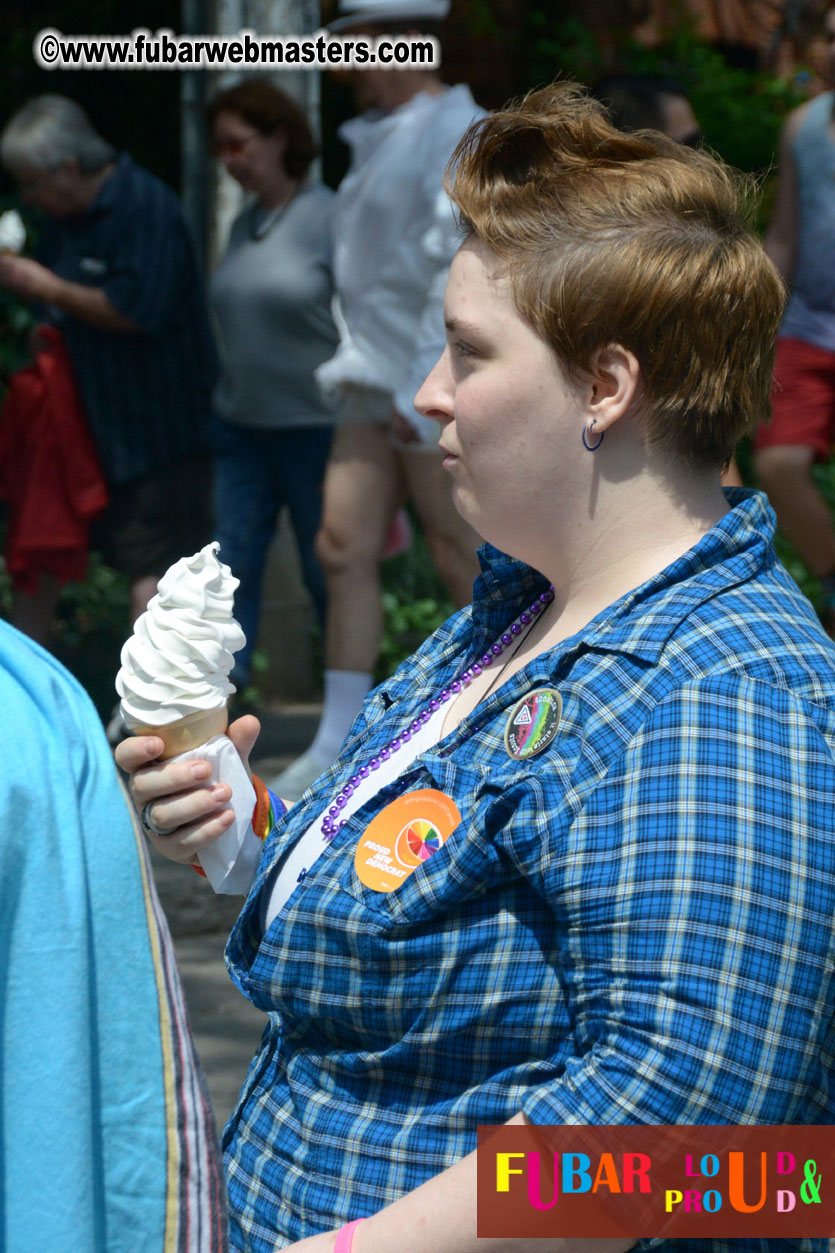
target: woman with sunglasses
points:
(271, 295)
(574, 864)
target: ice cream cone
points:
(189, 732)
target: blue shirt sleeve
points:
(695, 917)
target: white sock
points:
(345, 691)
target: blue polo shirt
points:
(147, 395)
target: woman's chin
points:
(466, 506)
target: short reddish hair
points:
(630, 239)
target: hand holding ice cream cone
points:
(174, 683)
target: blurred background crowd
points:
(738, 67)
(230, 285)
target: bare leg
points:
(451, 540)
(362, 491)
(785, 473)
(33, 613)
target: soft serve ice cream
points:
(177, 662)
(174, 683)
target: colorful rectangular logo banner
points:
(704, 1182)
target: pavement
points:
(225, 1025)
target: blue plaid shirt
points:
(633, 926)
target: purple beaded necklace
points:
(331, 822)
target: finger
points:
(134, 753)
(243, 733)
(195, 806)
(168, 779)
(186, 843)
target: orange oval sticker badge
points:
(403, 836)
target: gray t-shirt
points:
(271, 295)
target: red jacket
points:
(49, 470)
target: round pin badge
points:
(403, 837)
(533, 723)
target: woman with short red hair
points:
(574, 864)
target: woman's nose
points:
(434, 398)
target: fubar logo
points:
(652, 1181)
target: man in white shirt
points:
(394, 239)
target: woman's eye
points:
(463, 350)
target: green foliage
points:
(482, 20)
(415, 603)
(259, 667)
(740, 110)
(407, 624)
(564, 48)
(98, 606)
(824, 476)
(92, 623)
(15, 323)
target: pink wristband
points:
(345, 1236)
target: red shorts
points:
(802, 399)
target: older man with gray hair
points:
(116, 273)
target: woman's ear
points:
(615, 385)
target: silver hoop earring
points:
(589, 430)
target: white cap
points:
(379, 12)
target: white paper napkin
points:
(230, 861)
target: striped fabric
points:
(634, 925)
(107, 1140)
(195, 1201)
(147, 396)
